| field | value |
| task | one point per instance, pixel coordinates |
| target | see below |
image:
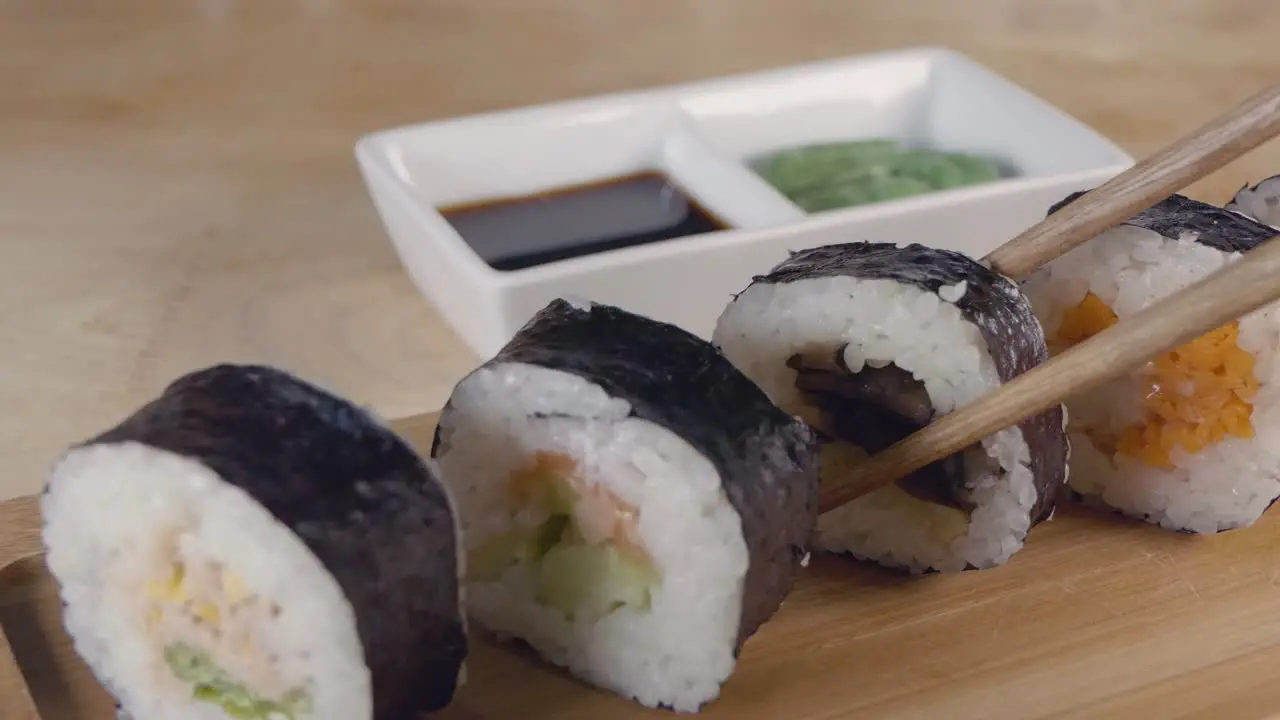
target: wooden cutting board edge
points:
(16, 702)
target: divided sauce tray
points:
(704, 137)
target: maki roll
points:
(1260, 202)
(1189, 441)
(869, 342)
(247, 545)
(633, 507)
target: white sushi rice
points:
(1225, 485)
(1261, 202)
(883, 322)
(113, 512)
(679, 651)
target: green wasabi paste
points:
(212, 684)
(827, 176)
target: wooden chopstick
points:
(1196, 155)
(1233, 291)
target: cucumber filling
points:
(585, 554)
(593, 581)
(210, 683)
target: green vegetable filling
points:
(516, 546)
(593, 580)
(827, 176)
(578, 578)
(212, 684)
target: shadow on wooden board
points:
(31, 617)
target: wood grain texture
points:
(1228, 294)
(1099, 617)
(177, 184)
(1205, 150)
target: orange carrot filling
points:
(1192, 396)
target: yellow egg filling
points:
(203, 616)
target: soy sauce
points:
(517, 233)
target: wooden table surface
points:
(177, 184)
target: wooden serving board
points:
(1099, 617)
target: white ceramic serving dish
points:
(700, 135)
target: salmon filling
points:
(205, 617)
(1191, 397)
(580, 540)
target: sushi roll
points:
(869, 342)
(1189, 442)
(633, 507)
(1260, 202)
(247, 545)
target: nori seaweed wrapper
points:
(992, 302)
(766, 459)
(353, 491)
(1177, 215)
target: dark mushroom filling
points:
(875, 408)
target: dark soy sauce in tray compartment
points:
(517, 233)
